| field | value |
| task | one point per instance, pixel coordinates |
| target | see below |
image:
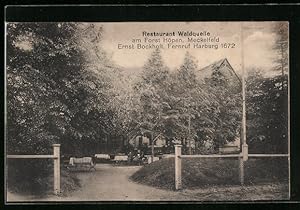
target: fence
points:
(242, 158)
(55, 157)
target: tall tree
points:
(187, 72)
(36, 92)
(185, 95)
(52, 94)
(267, 113)
(151, 89)
(281, 46)
(226, 107)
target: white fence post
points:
(152, 147)
(241, 171)
(245, 152)
(242, 159)
(178, 184)
(56, 154)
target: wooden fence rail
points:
(242, 158)
(211, 156)
(55, 157)
(31, 156)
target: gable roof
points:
(216, 64)
(159, 135)
(137, 131)
(206, 71)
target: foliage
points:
(227, 109)
(32, 86)
(54, 93)
(281, 47)
(151, 93)
(201, 172)
(267, 113)
(180, 106)
(181, 100)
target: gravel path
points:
(111, 183)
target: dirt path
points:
(111, 183)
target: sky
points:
(257, 44)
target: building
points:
(223, 66)
(140, 140)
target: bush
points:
(29, 176)
(201, 172)
(35, 177)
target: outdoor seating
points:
(81, 163)
(121, 158)
(102, 156)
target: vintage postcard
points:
(147, 111)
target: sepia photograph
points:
(147, 111)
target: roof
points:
(216, 64)
(137, 131)
(206, 71)
(156, 138)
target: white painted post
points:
(189, 136)
(178, 185)
(245, 152)
(244, 136)
(241, 170)
(152, 147)
(56, 154)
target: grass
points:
(69, 183)
(35, 177)
(201, 172)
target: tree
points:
(267, 111)
(225, 109)
(184, 98)
(125, 105)
(189, 108)
(151, 89)
(53, 93)
(187, 72)
(281, 47)
(33, 87)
